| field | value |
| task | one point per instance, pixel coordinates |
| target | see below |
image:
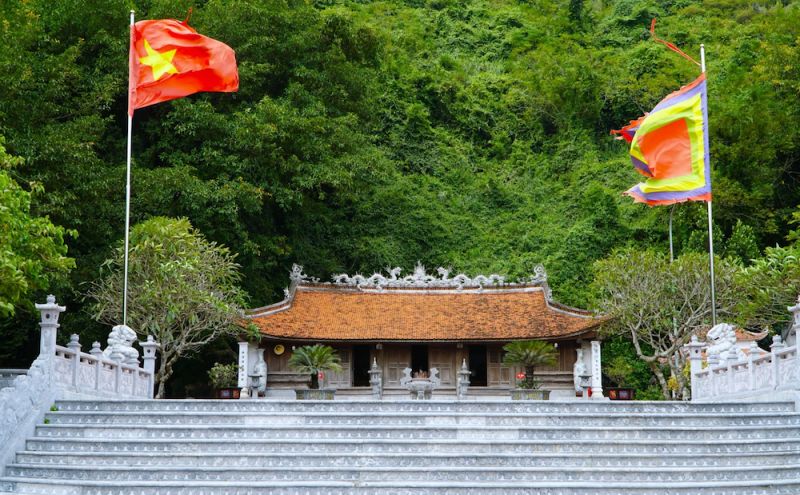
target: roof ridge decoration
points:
(418, 279)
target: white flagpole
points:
(671, 251)
(127, 215)
(710, 230)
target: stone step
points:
(409, 406)
(400, 474)
(608, 487)
(417, 432)
(432, 419)
(374, 460)
(412, 446)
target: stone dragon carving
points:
(420, 278)
(721, 341)
(121, 340)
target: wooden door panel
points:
(398, 358)
(340, 380)
(498, 375)
(442, 358)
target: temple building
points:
(419, 321)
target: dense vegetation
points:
(470, 133)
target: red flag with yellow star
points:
(169, 60)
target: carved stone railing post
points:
(49, 324)
(149, 356)
(75, 347)
(713, 361)
(776, 347)
(752, 353)
(795, 310)
(116, 357)
(732, 359)
(98, 364)
(375, 380)
(695, 349)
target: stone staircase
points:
(247, 447)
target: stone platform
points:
(144, 447)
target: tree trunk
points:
(314, 381)
(164, 373)
(660, 377)
(161, 378)
(676, 367)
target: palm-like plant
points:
(311, 359)
(529, 354)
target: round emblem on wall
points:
(279, 350)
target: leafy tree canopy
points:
(32, 249)
(182, 289)
(366, 134)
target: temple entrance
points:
(419, 358)
(361, 365)
(477, 365)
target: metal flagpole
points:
(710, 231)
(671, 251)
(127, 214)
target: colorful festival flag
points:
(670, 147)
(169, 60)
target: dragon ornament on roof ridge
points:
(420, 278)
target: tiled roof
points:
(741, 335)
(328, 313)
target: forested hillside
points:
(463, 133)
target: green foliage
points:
(623, 367)
(313, 359)
(773, 283)
(32, 249)
(367, 134)
(223, 375)
(182, 289)
(659, 304)
(529, 354)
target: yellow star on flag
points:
(161, 63)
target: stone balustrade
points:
(775, 371)
(59, 372)
(7, 376)
(90, 374)
(770, 374)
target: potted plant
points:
(313, 360)
(618, 370)
(529, 354)
(224, 380)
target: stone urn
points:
(421, 388)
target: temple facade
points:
(420, 321)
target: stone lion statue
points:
(121, 338)
(721, 341)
